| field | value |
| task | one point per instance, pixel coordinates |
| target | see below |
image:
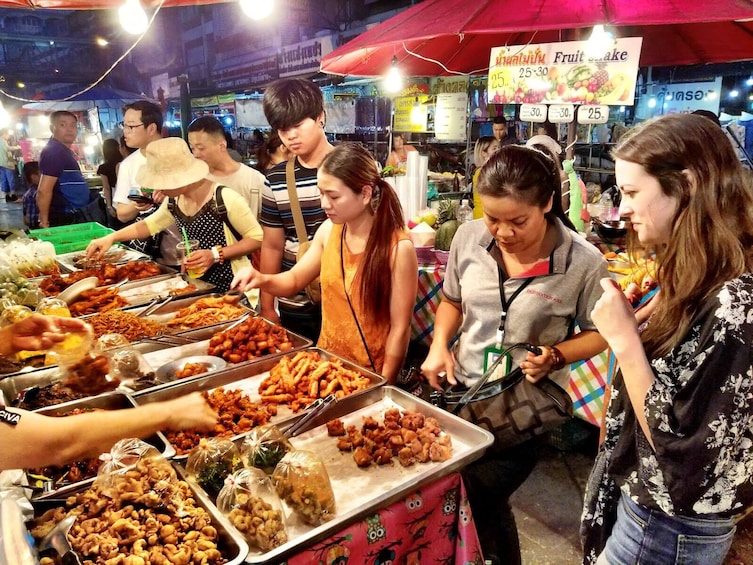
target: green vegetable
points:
(212, 477)
(267, 456)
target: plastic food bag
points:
(264, 447)
(211, 462)
(124, 455)
(83, 369)
(251, 504)
(302, 482)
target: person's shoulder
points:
(250, 172)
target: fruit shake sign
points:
(550, 73)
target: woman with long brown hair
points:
(676, 466)
(367, 264)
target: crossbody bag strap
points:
(347, 297)
(219, 204)
(295, 205)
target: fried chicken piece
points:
(335, 428)
(362, 457)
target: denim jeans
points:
(649, 537)
(7, 180)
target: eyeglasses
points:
(128, 127)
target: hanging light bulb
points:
(257, 9)
(393, 81)
(133, 17)
(417, 114)
(599, 43)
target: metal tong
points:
(314, 409)
(155, 304)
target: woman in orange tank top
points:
(367, 265)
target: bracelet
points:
(220, 253)
(215, 254)
(557, 358)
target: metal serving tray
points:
(15, 383)
(66, 260)
(359, 492)
(109, 401)
(232, 544)
(143, 291)
(246, 377)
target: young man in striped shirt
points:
(295, 109)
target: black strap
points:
(347, 297)
(506, 303)
(219, 204)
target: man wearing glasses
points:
(142, 124)
(63, 194)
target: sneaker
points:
(11, 198)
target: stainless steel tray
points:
(245, 377)
(15, 383)
(232, 544)
(145, 290)
(110, 401)
(359, 492)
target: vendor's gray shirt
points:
(544, 313)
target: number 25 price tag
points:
(593, 114)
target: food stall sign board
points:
(593, 114)
(533, 113)
(451, 116)
(561, 113)
(552, 73)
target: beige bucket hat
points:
(170, 165)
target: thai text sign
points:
(303, 58)
(562, 73)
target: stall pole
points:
(185, 105)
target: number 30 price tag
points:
(561, 113)
(593, 114)
(533, 113)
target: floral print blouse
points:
(700, 411)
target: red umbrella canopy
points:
(444, 37)
(97, 4)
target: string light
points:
(257, 9)
(133, 17)
(393, 81)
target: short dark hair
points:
(150, 112)
(30, 168)
(207, 124)
(289, 101)
(55, 116)
(111, 150)
(499, 120)
(708, 114)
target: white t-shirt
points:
(246, 181)
(127, 177)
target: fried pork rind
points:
(251, 504)
(144, 515)
(301, 480)
(300, 379)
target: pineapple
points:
(446, 211)
(601, 75)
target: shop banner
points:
(680, 98)
(303, 58)
(245, 73)
(411, 114)
(448, 85)
(562, 73)
(450, 116)
(249, 113)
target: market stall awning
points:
(445, 37)
(96, 4)
(99, 96)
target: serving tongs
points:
(157, 303)
(312, 411)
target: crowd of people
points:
(321, 215)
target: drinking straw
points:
(185, 241)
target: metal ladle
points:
(57, 539)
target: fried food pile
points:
(89, 376)
(191, 370)
(304, 377)
(408, 435)
(258, 521)
(127, 324)
(145, 516)
(205, 312)
(106, 274)
(238, 414)
(97, 300)
(251, 339)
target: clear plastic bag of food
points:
(264, 447)
(53, 306)
(13, 314)
(109, 341)
(82, 369)
(301, 480)
(211, 462)
(251, 504)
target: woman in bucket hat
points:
(195, 204)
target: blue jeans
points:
(7, 180)
(649, 537)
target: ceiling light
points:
(257, 9)
(393, 81)
(102, 42)
(652, 103)
(734, 93)
(133, 17)
(749, 82)
(20, 84)
(599, 43)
